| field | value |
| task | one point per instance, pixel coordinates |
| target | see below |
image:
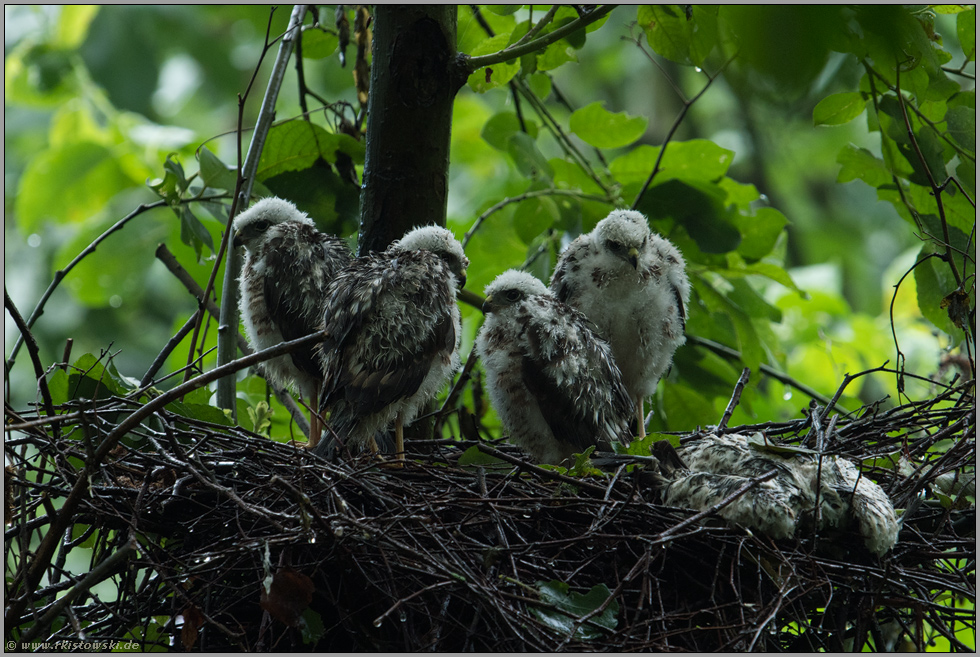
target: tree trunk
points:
(414, 80)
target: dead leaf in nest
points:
(193, 620)
(288, 596)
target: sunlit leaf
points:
(837, 109)
(697, 159)
(759, 232)
(859, 163)
(73, 24)
(296, 145)
(497, 75)
(85, 176)
(603, 129)
(318, 43)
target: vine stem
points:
(228, 322)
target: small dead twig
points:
(736, 397)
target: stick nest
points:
(245, 543)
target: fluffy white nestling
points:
(551, 379)
(288, 265)
(394, 332)
(718, 466)
(633, 285)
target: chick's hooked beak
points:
(633, 255)
(487, 306)
(461, 278)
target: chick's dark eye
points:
(512, 295)
(261, 225)
(614, 245)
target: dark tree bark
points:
(414, 79)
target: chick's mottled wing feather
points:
(372, 368)
(576, 409)
(290, 300)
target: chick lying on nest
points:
(717, 466)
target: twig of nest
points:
(246, 543)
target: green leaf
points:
(260, 416)
(697, 159)
(312, 629)
(966, 172)
(741, 194)
(540, 84)
(89, 378)
(203, 412)
(296, 145)
(603, 129)
(499, 127)
(583, 465)
(474, 457)
(933, 282)
(859, 163)
(529, 160)
(193, 233)
(576, 605)
(58, 386)
(932, 152)
(773, 272)
(644, 446)
(759, 232)
(966, 31)
(491, 77)
(748, 339)
(577, 38)
(838, 109)
(73, 24)
(690, 405)
(534, 216)
(319, 192)
(215, 173)
(700, 208)
(558, 53)
(503, 10)
(962, 125)
(85, 175)
(746, 298)
(318, 43)
(173, 167)
(671, 33)
(960, 214)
